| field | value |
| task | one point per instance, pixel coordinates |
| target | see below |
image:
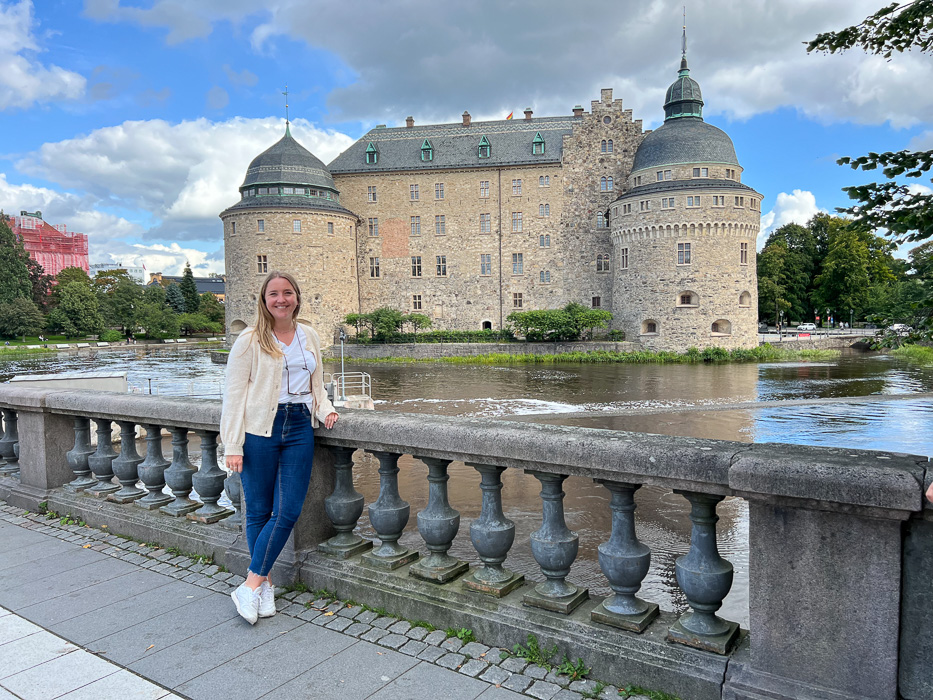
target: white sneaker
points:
(247, 603)
(266, 599)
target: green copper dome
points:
(683, 98)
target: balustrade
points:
(178, 476)
(126, 465)
(152, 470)
(344, 508)
(9, 444)
(78, 456)
(438, 525)
(389, 516)
(209, 481)
(101, 461)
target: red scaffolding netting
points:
(53, 247)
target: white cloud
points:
(25, 81)
(245, 77)
(167, 259)
(795, 208)
(217, 98)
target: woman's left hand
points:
(930, 493)
(330, 420)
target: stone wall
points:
(433, 350)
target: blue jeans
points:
(275, 478)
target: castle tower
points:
(289, 218)
(684, 235)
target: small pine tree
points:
(175, 298)
(189, 290)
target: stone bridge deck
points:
(142, 622)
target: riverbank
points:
(919, 354)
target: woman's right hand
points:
(235, 463)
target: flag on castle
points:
(510, 116)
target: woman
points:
(274, 399)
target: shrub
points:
(110, 336)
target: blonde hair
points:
(264, 320)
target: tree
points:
(772, 281)
(105, 281)
(189, 290)
(843, 284)
(568, 323)
(14, 271)
(175, 298)
(906, 214)
(211, 307)
(121, 306)
(41, 284)
(78, 310)
(197, 323)
(921, 261)
(158, 320)
(20, 317)
(418, 321)
(73, 274)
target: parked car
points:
(762, 327)
(902, 329)
(806, 327)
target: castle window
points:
(516, 187)
(637, 180)
(602, 220)
(374, 227)
(730, 174)
(415, 226)
(623, 258)
(602, 263)
(626, 208)
(288, 190)
(416, 266)
(416, 302)
(483, 189)
(438, 190)
(330, 228)
(693, 200)
(596, 302)
(372, 155)
(441, 262)
(440, 225)
(260, 225)
(644, 205)
(485, 150)
(413, 193)
(719, 200)
(518, 265)
(517, 300)
(745, 299)
(544, 181)
(740, 201)
(427, 151)
(537, 145)
(667, 202)
(263, 190)
(232, 226)
(544, 276)
(544, 241)
(607, 120)
(701, 172)
(609, 146)
(688, 299)
(374, 267)
(296, 225)
(262, 264)
(516, 222)
(602, 146)
(371, 193)
(721, 327)
(743, 253)
(649, 327)
(487, 325)
(485, 264)
(544, 210)
(683, 254)
(605, 184)
(485, 223)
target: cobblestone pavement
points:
(160, 624)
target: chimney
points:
(578, 110)
(409, 122)
(528, 114)
(466, 118)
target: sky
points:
(134, 121)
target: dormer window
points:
(485, 150)
(372, 155)
(537, 145)
(427, 151)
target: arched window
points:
(688, 298)
(602, 146)
(372, 155)
(545, 276)
(427, 151)
(603, 185)
(609, 184)
(609, 148)
(487, 325)
(485, 150)
(721, 327)
(602, 263)
(649, 327)
(745, 299)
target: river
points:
(867, 401)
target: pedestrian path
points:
(89, 615)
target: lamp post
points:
(343, 337)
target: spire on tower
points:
(683, 54)
(286, 109)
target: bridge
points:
(840, 551)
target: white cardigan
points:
(254, 379)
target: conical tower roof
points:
(287, 162)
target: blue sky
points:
(134, 121)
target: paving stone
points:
(436, 637)
(515, 664)
(288, 595)
(413, 647)
(294, 610)
(568, 695)
(162, 555)
(535, 672)
(431, 654)
(400, 627)
(322, 619)
(197, 568)
(235, 580)
(221, 587)
(203, 581)
(350, 612)
(393, 641)
(191, 578)
(210, 570)
(384, 623)
(366, 617)
(475, 649)
(178, 573)
(149, 564)
(282, 603)
(556, 679)
(161, 568)
(179, 560)
(517, 682)
(452, 661)
(473, 667)
(610, 692)
(341, 623)
(374, 635)
(356, 629)
(222, 576)
(495, 674)
(303, 598)
(417, 633)
(584, 686)
(309, 614)
(452, 644)
(335, 607)
(321, 603)
(543, 690)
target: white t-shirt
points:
(296, 372)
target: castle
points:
(470, 221)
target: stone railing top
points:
(879, 484)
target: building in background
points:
(214, 285)
(53, 247)
(135, 271)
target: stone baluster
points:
(554, 547)
(178, 476)
(625, 562)
(389, 516)
(126, 466)
(705, 578)
(152, 470)
(344, 506)
(9, 443)
(77, 456)
(209, 481)
(438, 524)
(234, 490)
(101, 462)
(492, 535)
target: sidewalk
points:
(140, 622)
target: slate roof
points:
(214, 285)
(288, 202)
(684, 140)
(456, 146)
(287, 162)
(678, 185)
